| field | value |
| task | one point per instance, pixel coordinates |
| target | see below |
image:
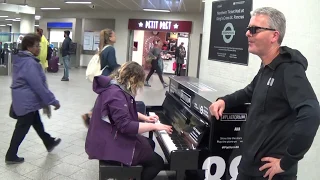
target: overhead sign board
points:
(160, 25)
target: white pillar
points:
(15, 28)
(27, 23)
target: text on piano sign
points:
(185, 98)
(234, 117)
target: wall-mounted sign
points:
(67, 25)
(228, 41)
(160, 25)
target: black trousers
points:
(152, 166)
(178, 70)
(156, 68)
(22, 128)
(242, 176)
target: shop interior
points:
(168, 41)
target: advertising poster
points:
(228, 42)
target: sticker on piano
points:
(234, 117)
(185, 98)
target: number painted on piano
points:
(220, 168)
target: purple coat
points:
(29, 89)
(115, 140)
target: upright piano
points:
(200, 146)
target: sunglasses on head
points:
(254, 29)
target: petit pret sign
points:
(160, 25)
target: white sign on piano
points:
(221, 168)
(185, 98)
(233, 117)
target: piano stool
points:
(118, 172)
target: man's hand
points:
(217, 108)
(274, 167)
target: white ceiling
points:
(192, 6)
(177, 6)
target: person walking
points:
(155, 53)
(30, 93)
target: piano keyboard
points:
(172, 141)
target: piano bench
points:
(118, 171)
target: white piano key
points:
(165, 137)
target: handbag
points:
(12, 114)
(149, 59)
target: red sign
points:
(160, 25)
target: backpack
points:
(72, 47)
(94, 67)
(182, 52)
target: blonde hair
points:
(131, 75)
(105, 38)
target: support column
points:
(27, 23)
(15, 29)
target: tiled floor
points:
(69, 160)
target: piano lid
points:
(195, 94)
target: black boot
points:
(55, 143)
(15, 160)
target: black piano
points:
(200, 147)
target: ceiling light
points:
(78, 2)
(16, 20)
(36, 25)
(2, 25)
(4, 16)
(37, 17)
(9, 24)
(9, 19)
(50, 8)
(157, 10)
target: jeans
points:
(66, 63)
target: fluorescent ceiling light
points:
(4, 16)
(78, 2)
(50, 8)
(37, 17)
(157, 10)
(2, 25)
(9, 19)
(9, 24)
(16, 20)
(36, 25)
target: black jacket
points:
(283, 117)
(66, 46)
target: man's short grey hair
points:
(277, 20)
